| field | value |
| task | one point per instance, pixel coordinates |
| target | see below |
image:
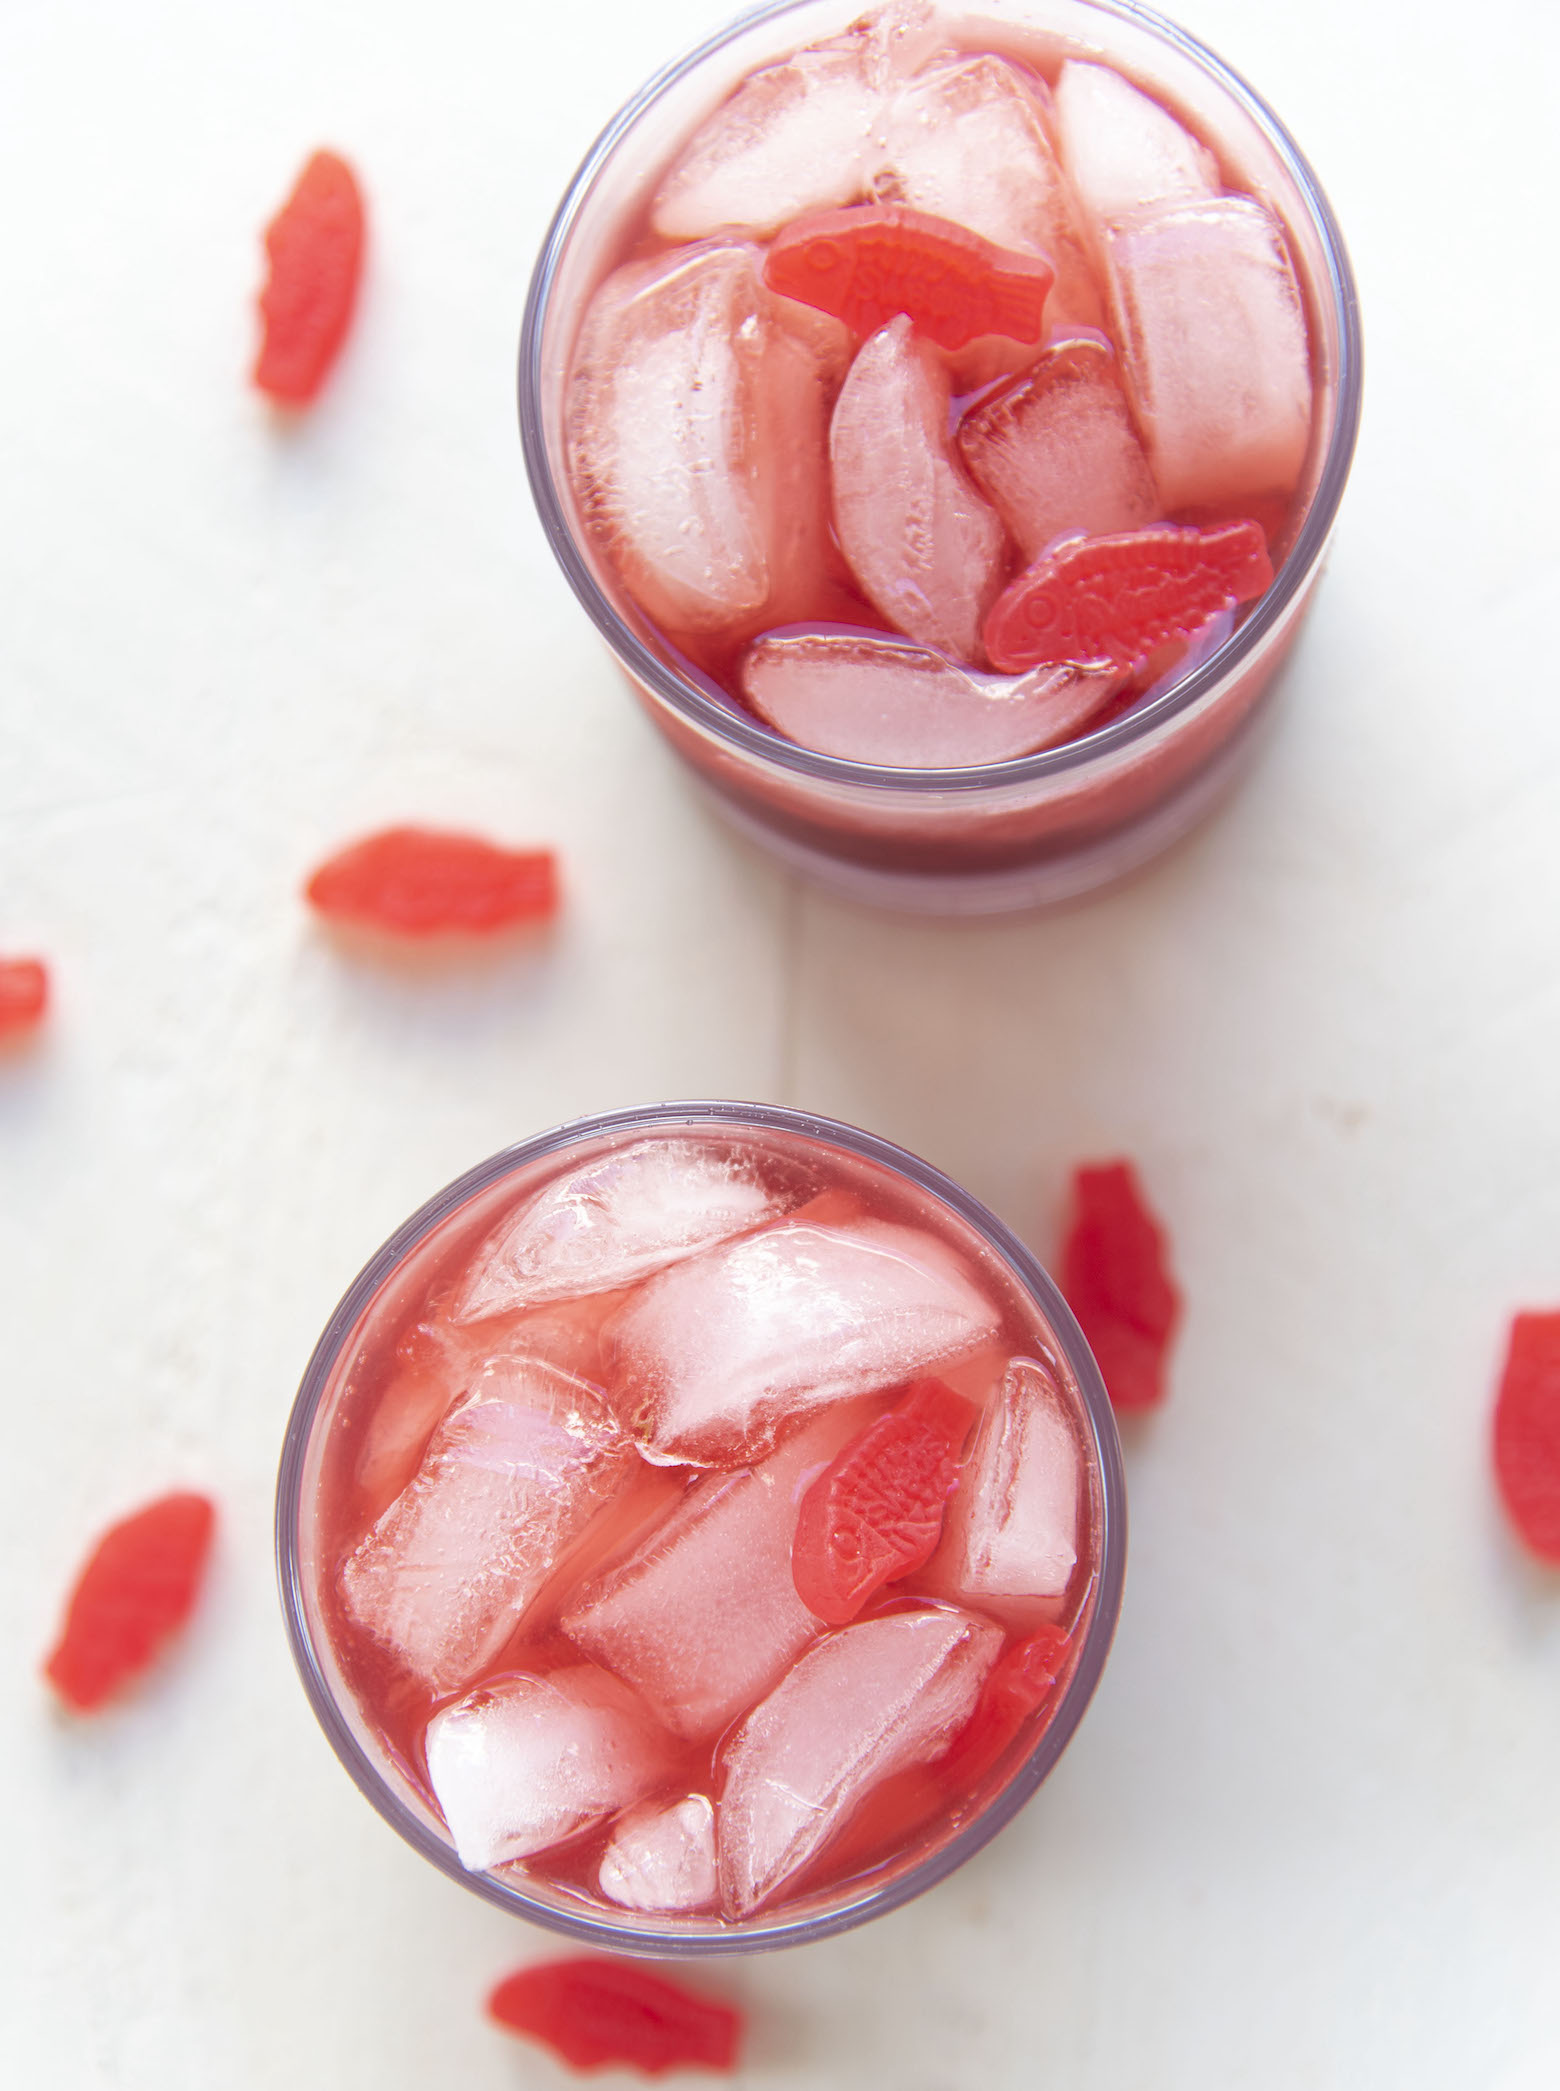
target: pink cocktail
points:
(701, 1528)
(943, 417)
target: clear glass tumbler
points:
(329, 1443)
(1036, 829)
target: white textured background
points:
(1309, 1835)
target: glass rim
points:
(703, 712)
(687, 1940)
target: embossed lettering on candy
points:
(718, 1354)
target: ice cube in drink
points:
(580, 1638)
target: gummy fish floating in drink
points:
(869, 263)
(1112, 600)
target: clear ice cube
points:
(923, 544)
(1057, 452)
(704, 1617)
(662, 1857)
(795, 137)
(683, 363)
(1213, 337)
(509, 1480)
(1010, 1532)
(887, 701)
(862, 1704)
(614, 1221)
(716, 1355)
(523, 1763)
(968, 141)
(805, 354)
(427, 1380)
(897, 41)
(565, 1333)
(1122, 150)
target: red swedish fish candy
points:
(137, 1589)
(1017, 1685)
(1115, 1279)
(421, 882)
(24, 995)
(876, 1511)
(1114, 599)
(1527, 1432)
(597, 2012)
(314, 246)
(871, 261)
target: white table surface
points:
(1308, 1835)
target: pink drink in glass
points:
(800, 512)
(701, 1528)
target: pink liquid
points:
(826, 540)
(417, 1358)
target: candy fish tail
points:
(1018, 303)
(1255, 573)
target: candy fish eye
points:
(823, 255)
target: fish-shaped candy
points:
(871, 261)
(1112, 600)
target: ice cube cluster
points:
(822, 520)
(581, 1613)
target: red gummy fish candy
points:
(24, 995)
(1116, 1279)
(314, 246)
(875, 1513)
(595, 2013)
(423, 882)
(1114, 599)
(1527, 1432)
(138, 1587)
(872, 261)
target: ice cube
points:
(795, 137)
(968, 141)
(715, 1355)
(662, 1858)
(565, 1333)
(1121, 149)
(428, 1377)
(862, 1704)
(510, 1479)
(615, 1220)
(704, 1616)
(1010, 1532)
(521, 1764)
(804, 357)
(873, 699)
(1213, 336)
(1057, 451)
(896, 41)
(923, 544)
(672, 450)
